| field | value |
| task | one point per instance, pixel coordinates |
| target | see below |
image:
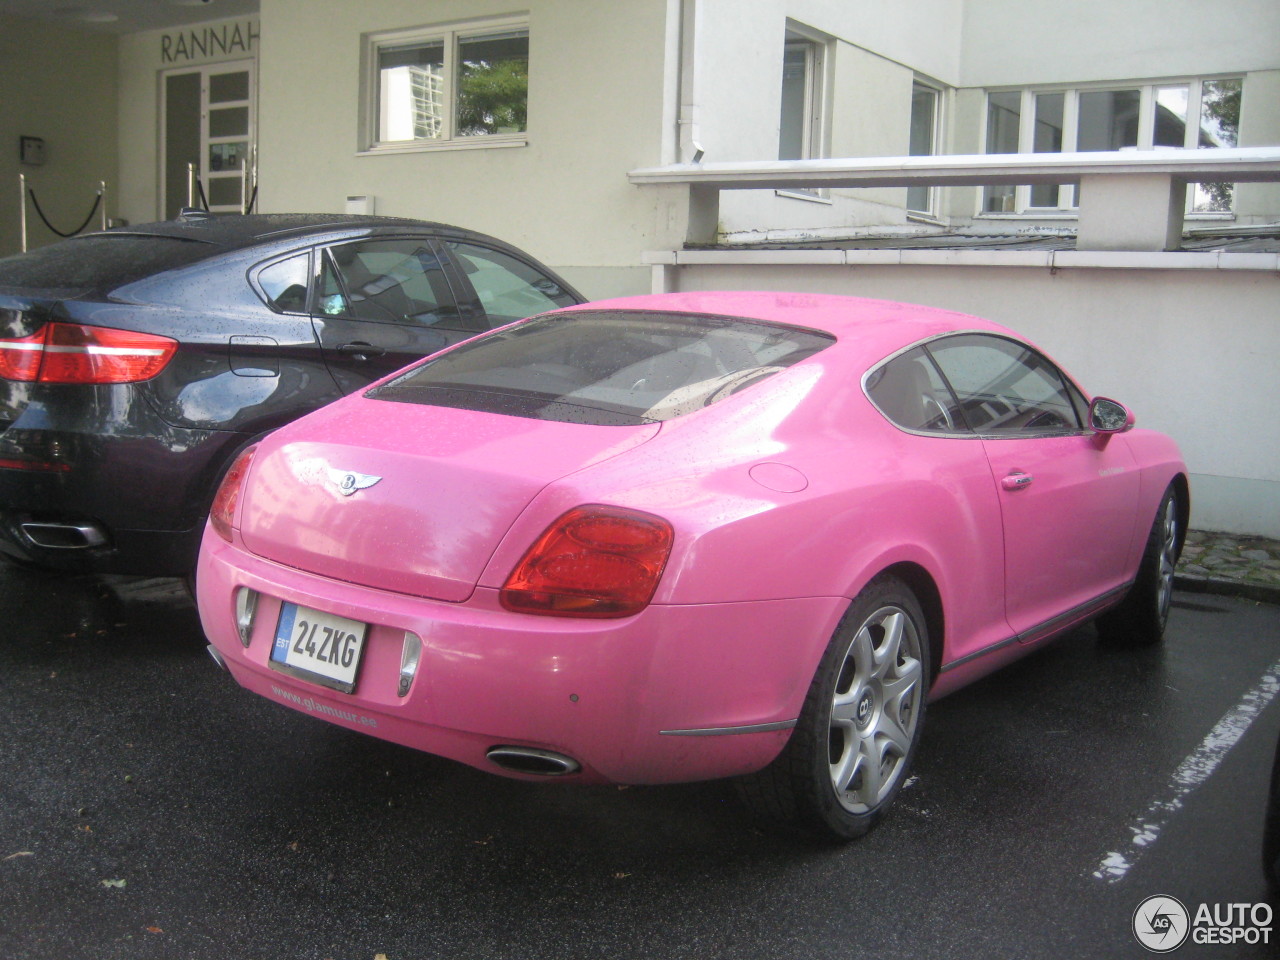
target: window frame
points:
(961, 429)
(450, 35)
(815, 133)
(1068, 194)
(918, 83)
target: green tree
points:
(1220, 127)
(493, 97)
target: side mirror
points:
(1107, 416)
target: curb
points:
(1260, 592)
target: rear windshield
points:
(611, 367)
(100, 261)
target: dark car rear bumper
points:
(102, 496)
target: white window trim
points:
(449, 34)
(816, 134)
(1068, 207)
(931, 214)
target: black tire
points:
(1140, 618)
(866, 700)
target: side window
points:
(389, 281)
(1005, 386)
(284, 283)
(509, 289)
(909, 391)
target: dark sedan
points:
(135, 363)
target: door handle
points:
(1016, 481)
(360, 351)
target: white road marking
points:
(1193, 771)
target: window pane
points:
(1108, 120)
(509, 289)
(493, 84)
(606, 367)
(924, 106)
(285, 283)
(227, 156)
(1171, 116)
(110, 260)
(229, 122)
(226, 87)
(411, 92)
(1005, 386)
(910, 393)
(793, 122)
(1048, 139)
(1219, 126)
(1004, 119)
(225, 191)
(393, 281)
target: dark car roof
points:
(232, 231)
(109, 259)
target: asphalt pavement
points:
(149, 808)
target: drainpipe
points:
(688, 148)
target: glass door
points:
(210, 120)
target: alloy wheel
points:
(875, 709)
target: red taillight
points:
(593, 562)
(20, 358)
(223, 511)
(72, 353)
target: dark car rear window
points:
(100, 261)
(608, 367)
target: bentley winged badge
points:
(348, 482)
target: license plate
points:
(318, 646)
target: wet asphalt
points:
(149, 808)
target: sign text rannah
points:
(202, 43)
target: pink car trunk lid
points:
(409, 498)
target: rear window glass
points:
(606, 367)
(100, 261)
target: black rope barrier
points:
(204, 201)
(36, 203)
(253, 198)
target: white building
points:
(616, 141)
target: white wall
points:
(596, 98)
(1015, 42)
(1192, 352)
(58, 84)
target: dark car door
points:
(1067, 501)
(382, 303)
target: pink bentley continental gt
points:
(688, 536)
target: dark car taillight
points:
(594, 561)
(222, 513)
(72, 353)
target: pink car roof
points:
(878, 327)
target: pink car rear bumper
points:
(673, 694)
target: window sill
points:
(1029, 215)
(1073, 215)
(436, 146)
(798, 195)
(918, 216)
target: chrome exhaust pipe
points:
(64, 536)
(217, 657)
(542, 763)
